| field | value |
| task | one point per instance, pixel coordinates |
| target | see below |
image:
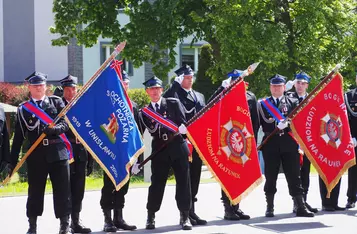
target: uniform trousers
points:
(195, 174)
(352, 182)
(38, 170)
(174, 156)
(112, 199)
(333, 200)
(282, 150)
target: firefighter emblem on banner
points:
(236, 141)
(331, 130)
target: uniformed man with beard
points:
(82, 161)
(281, 148)
(233, 212)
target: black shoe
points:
(77, 226)
(328, 208)
(193, 221)
(337, 208)
(184, 221)
(350, 205)
(150, 222)
(108, 222)
(229, 213)
(311, 209)
(32, 225)
(301, 210)
(241, 214)
(120, 223)
(270, 205)
(199, 221)
(269, 213)
(64, 225)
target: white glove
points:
(182, 129)
(289, 85)
(283, 124)
(135, 169)
(179, 79)
(354, 142)
(226, 82)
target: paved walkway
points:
(13, 219)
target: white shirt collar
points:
(278, 98)
(158, 102)
(304, 96)
(43, 98)
(188, 90)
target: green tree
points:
(286, 35)
(203, 82)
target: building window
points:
(107, 49)
(190, 56)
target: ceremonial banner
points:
(322, 129)
(224, 139)
(104, 123)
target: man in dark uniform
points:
(112, 199)
(174, 155)
(351, 103)
(49, 157)
(4, 142)
(192, 102)
(281, 148)
(233, 212)
(81, 161)
(301, 84)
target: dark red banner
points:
(323, 132)
(224, 139)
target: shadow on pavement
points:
(289, 227)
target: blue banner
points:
(101, 118)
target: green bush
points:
(139, 96)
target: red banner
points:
(224, 139)
(323, 131)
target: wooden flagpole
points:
(303, 103)
(247, 72)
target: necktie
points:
(277, 102)
(191, 94)
(300, 99)
(39, 103)
(157, 108)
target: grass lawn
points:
(93, 183)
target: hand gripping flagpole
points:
(303, 103)
(245, 73)
(85, 87)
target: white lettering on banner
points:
(100, 144)
(123, 114)
(215, 158)
(114, 170)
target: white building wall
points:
(52, 60)
(91, 60)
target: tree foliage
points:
(203, 81)
(286, 35)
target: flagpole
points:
(303, 103)
(85, 87)
(246, 72)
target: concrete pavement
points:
(13, 216)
